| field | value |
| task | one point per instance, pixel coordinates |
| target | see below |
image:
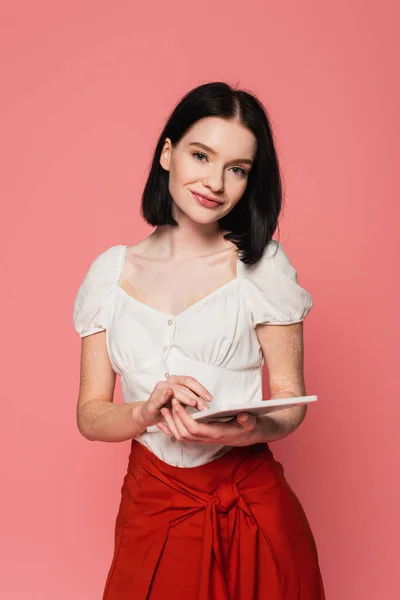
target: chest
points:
(171, 287)
(215, 331)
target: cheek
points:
(235, 188)
(184, 171)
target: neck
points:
(189, 239)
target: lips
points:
(207, 199)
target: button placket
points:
(169, 332)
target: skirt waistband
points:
(236, 465)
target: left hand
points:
(179, 424)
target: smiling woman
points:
(187, 317)
(214, 173)
(218, 142)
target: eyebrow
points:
(208, 149)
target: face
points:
(209, 168)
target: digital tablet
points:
(255, 408)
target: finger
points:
(246, 420)
(201, 404)
(242, 418)
(162, 397)
(183, 432)
(170, 423)
(192, 384)
(169, 394)
(164, 428)
(185, 390)
(182, 397)
(184, 422)
(211, 432)
(178, 414)
(157, 400)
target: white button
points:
(169, 322)
(166, 375)
(165, 348)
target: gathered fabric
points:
(232, 529)
(214, 339)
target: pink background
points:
(86, 87)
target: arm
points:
(98, 418)
(282, 347)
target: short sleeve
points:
(90, 306)
(276, 297)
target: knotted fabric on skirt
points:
(231, 529)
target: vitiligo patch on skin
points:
(282, 347)
(269, 297)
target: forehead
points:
(224, 136)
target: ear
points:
(165, 156)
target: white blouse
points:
(213, 340)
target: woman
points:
(187, 317)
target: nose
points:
(214, 181)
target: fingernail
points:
(207, 396)
(175, 402)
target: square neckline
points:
(163, 314)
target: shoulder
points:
(275, 260)
(100, 277)
(107, 261)
(274, 292)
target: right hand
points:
(184, 388)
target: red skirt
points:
(231, 529)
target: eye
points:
(199, 156)
(239, 171)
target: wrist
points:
(139, 417)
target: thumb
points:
(242, 418)
(163, 398)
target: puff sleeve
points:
(276, 296)
(90, 306)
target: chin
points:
(201, 216)
(203, 219)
